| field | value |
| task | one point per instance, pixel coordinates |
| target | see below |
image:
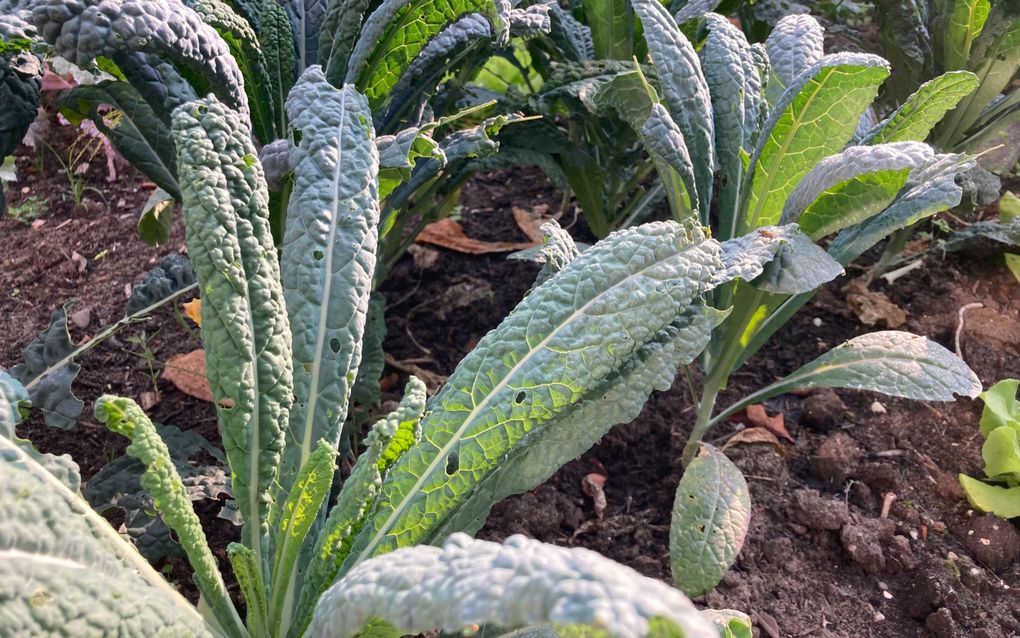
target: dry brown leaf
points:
(530, 222)
(873, 307)
(758, 417)
(447, 233)
(187, 373)
(593, 485)
(752, 436)
(148, 400)
(193, 310)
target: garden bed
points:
(820, 560)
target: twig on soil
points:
(959, 325)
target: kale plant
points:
(282, 337)
(768, 132)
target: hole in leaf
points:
(519, 399)
(318, 255)
(452, 463)
(701, 528)
(334, 345)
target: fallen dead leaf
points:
(756, 416)
(872, 307)
(448, 234)
(593, 485)
(187, 373)
(193, 310)
(148, 400)
(752, 436)
(433, 380)
(530, 221)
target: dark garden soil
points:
(820, 559)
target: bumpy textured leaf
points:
(307, 16)
(434, 60)
(47, 373)
(171, 499)
(64, 570)
(894, 363)
(925, 108)
(849, 187)
(14, 402)
(965, 19)
(928, 191)
(399, 153)
(1007, 233)
(618, 400)
(388, 440)
(366, 391)
(277, 40)
(136, 131)
(906, 42)
(528, 21)
(157, 81)
(637, 103)
(684, 90)
(711, 515)
(393, 36)
(563, 341)
(173, 274)
(777, 259)
(20, 85)
(328, 257)
(454, 587)
(795, 45)
(813, 119)
(118, 485)
(248, 362)
(82, 30)
(725, 59)
(695, 9)
(558, 250)
(246, 50)
(572, 37)
(275, 160)
(338, 35)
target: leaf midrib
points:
(440, 457)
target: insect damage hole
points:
(519, 399)
(334, 345)
(452, 463)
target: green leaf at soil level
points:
(1001, 501)
(711, 515)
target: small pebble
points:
(816, 322)
(878, 408)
